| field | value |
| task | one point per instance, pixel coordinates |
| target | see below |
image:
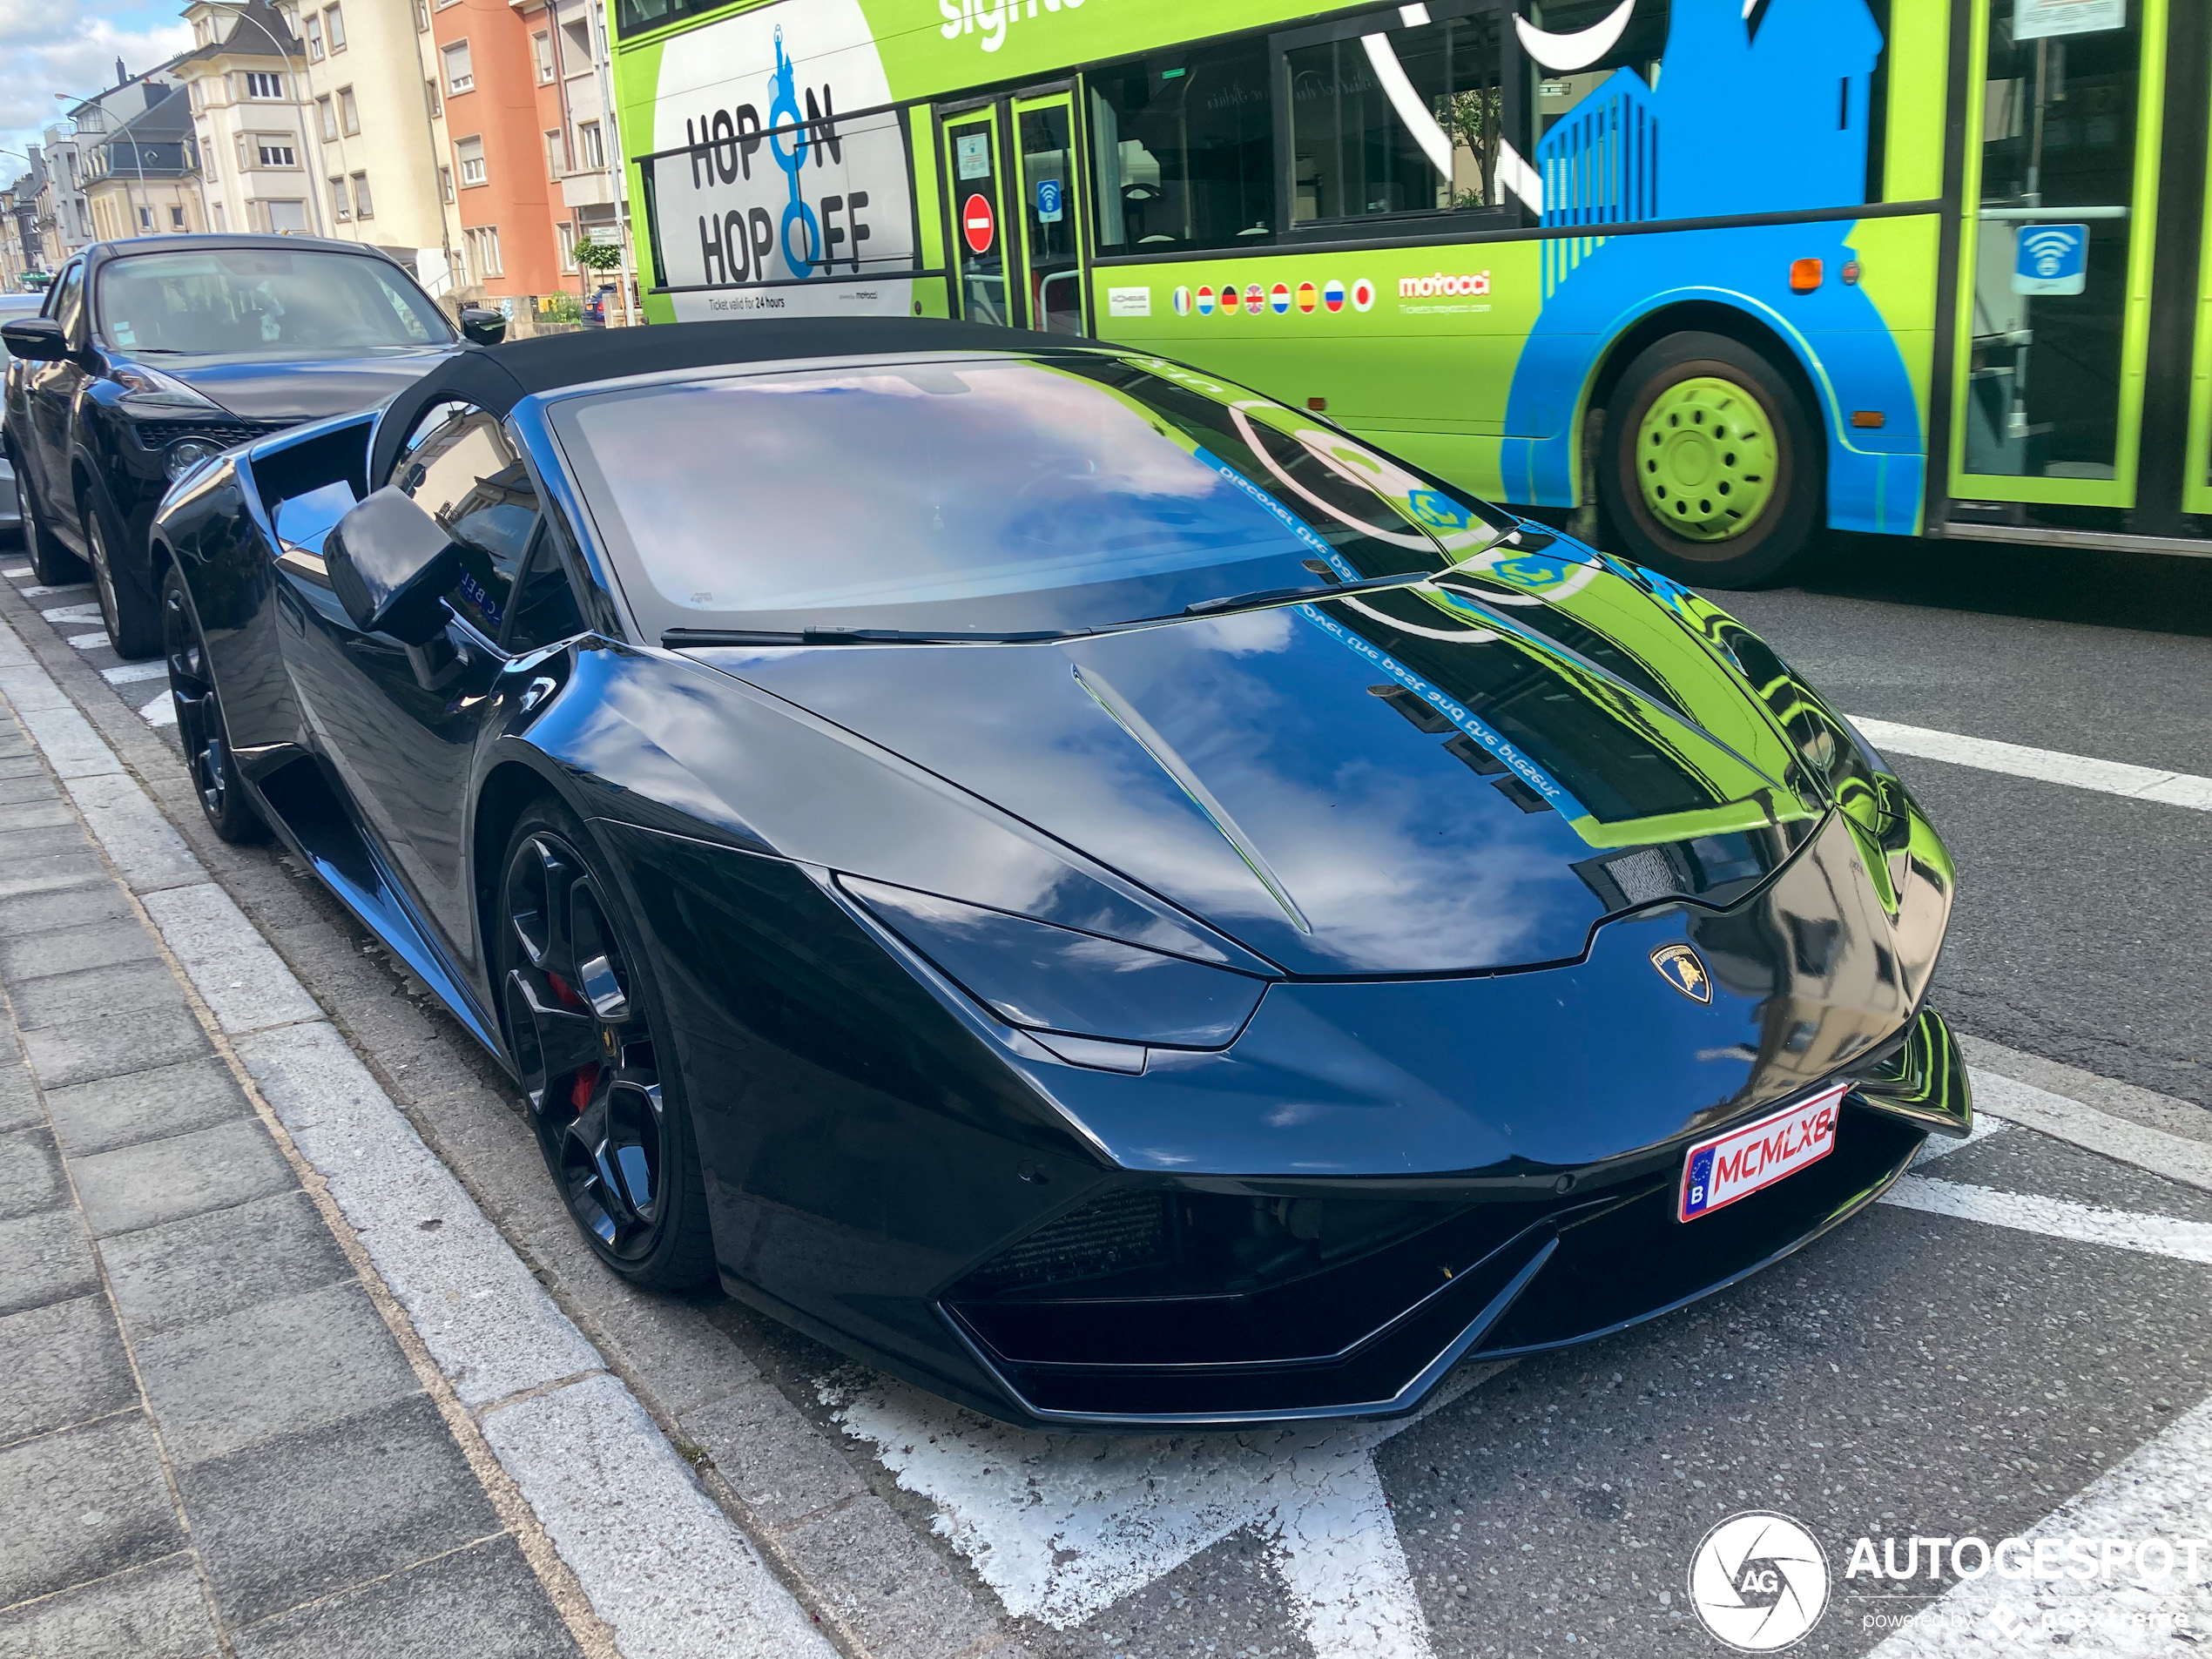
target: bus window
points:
(1559, 89)
(1183, 143)
(1395, 120)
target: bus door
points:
(2082, 279)
(1052, 218)
(1017, 213)
(974, 170)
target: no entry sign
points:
(977, 223)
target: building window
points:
(553, 155)
(261, 85)
(243, 164)
(349, 115)
(84, 224)
(219, 217)
(430, 90)
(275, 152)
(460, 77)
(333, 21)
(176, 218)
(338, 200)
(445, 183)
(145, 219)
(422, 15)
(593, 146)
(193, 92)
(315, 40)
(542, 45)
(469, 152)
(564, 233)
(327, 119)
(482, 244)
(362, 207)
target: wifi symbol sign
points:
(2051, 258)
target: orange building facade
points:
(506, 197)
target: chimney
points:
(121, 74)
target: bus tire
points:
(1711, 468)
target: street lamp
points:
(299, 101)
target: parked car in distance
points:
(150, 355)
(12, 305)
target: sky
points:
(49, 46)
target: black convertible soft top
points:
(495, 378)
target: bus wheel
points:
(1711, 471)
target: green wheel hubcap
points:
(1705, 459)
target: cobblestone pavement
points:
(2017, 1342)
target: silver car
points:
(11, 306)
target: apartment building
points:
(257, 160)
(64, 212)
(568, 57)
(372, 107)
(142, 178)
(22, 249)
(504, 193)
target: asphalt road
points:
(2028, 1318)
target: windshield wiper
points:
(1274, 596)
(685, 639)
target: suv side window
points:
(459, 468)
(66, 304)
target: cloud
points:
(49, 46)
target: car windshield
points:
(262, 302)
(1004, 495)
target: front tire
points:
(200, 727)
(134, 623)
(1711, 469)
(588, 1036)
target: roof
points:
(256, 32)
(498, 377)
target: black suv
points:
(152, 355)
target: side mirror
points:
(35, 339)
(391, 564)
(481, 326)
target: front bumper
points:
(1576, 1255)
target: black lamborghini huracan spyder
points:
(1097, 892)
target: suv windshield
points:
(262, 302)
(1008, 496)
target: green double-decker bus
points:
(1712, 273)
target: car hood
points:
(1464, 776)
(289, 390)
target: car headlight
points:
(1050, 979)
(187, 453)
(148, 391)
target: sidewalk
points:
(211, 1440)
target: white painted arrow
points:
(1063, 1526)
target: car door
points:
(400, 725)
(50, 396)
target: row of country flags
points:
(1331, 296)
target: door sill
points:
(2045, 536)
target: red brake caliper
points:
(587, 1078)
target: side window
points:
(544, 608)
(1395, 120)
(1183, 146)
(460, 469)
(67, 304)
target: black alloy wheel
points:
(53, 564)
(134, 628)
(582, 1028)
(199, 720)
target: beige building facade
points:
(249, 118)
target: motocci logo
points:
(1759, 1581)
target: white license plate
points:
(1735, 1165)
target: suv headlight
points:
(1052, 979)
(148, 391)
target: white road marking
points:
(2185, 1241)
(17, 572)
(2158, 1490)
(1942, 1146)
(63, 586)
(89, 641)
(72, 613)
(2174, 1157)
(162, 711)
(1063, 1526)
(2046, 766)
(124, 674)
